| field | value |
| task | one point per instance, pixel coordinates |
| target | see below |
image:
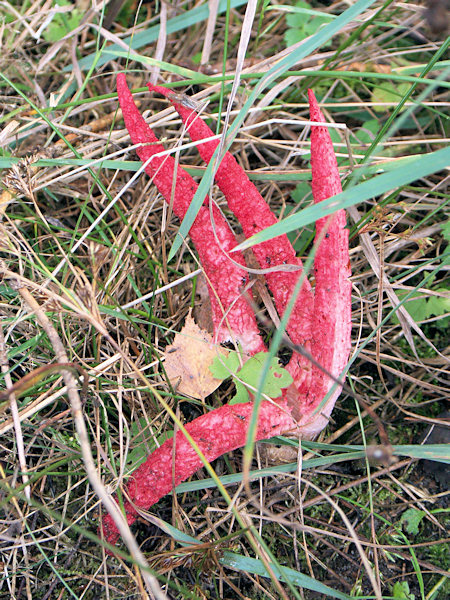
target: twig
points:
(209, 34)
(91, 471)
(162, 40)
(14, 413)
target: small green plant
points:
(303, 22)
(63, 22)
(411, 520)
(421, 307)
(367, 132)
(144, 442)
(250, 375)
(401, 591)
(389, 93)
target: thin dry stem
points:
(91, 470)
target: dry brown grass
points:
(51, 476)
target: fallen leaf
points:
(188, 361)
(275, 455)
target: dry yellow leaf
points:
(188, 359)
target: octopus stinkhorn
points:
(320, 320)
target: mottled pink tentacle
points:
(226, 280)
(331, 323)
(328, 325)
(218, 432)
(254, 215)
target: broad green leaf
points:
(439, 305)
(401, 591)
(224, 367)
(422, 307)
(366, 133)
(388, 93)
(297, 19)
(143, 443)
(411, 520)
(241, 394)
(62, 22)
(304, 22)
(277, 377)
(446, 230)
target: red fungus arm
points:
(224, 278)
(254, 215)
(225, 428)
(218, 432)
(331, 324)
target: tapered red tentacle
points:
(254, 215)
(218, 432)
(226, 280)
(225, 428)
(331, 322)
